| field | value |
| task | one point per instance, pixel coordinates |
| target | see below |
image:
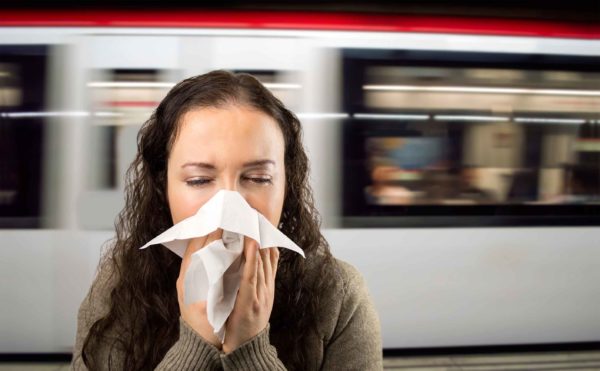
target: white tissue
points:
(215, 270)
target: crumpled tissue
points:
(214, 272)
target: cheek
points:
(269, 204)
(184, 202)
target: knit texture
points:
(347, 338)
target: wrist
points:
(204, 332)
(232, 344)
(227, 349)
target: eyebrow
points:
(205, 165)
(199, 164)
(259, 163)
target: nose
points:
(230, 183)
(234, 182)
(231, 178)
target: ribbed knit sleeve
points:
(190, 352)
(347, 338)
(255, 354)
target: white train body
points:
(433, 287)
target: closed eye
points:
(259, 180)
(198, 182)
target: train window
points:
(120, 99)
(449, 139)
(22, 89)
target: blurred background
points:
(455, 154)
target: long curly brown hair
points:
(143, 317)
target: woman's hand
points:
(254, 301)
(195, 314)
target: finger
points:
(179, 286)
(194, 245)
(274, 261)
(214, 236)
(260, 273)
(251, 265)
(267, 267)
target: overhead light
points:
(130, 84)
(281, 86)
(45, 114)
(548, 120)
(108, 114)
(488, 90)
(469, 118)
(322, 115)
(386, 116)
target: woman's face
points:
(235, 148)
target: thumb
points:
(214, 236)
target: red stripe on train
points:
(274, 20)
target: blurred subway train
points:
(455, 162)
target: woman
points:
(211, 132)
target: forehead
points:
(230, 132)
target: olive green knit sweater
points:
(347, 336)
